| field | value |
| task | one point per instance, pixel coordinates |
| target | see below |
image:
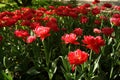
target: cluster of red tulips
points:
(70, 24)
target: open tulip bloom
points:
(60, 42)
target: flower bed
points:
(61, 42)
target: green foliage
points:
(4, 76)
(48, 59)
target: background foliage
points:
(47, 59)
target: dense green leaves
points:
(47, 59)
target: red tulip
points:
(107, 5)
(70, 38)
(95, 11)
(30, 39)
(96, 30)
(78, 31)
(52, 24)
(84, 19)
(94, 43)
(107, 31)
(77, 57)
(21, 33)
(42, 32)
(96, 1)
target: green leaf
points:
(4, 61)
(53, 69)
(111, 72)
(110, 41)
(66, 74)
(80, 76)
(65, 64)
(96, 78)
(4, 76)
(32, 71)
(96, 63)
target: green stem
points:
(90, 57)
(75, 73)
(111, 71)
(69, 48)
(118, 46)
(46, 53)
(47, 57)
